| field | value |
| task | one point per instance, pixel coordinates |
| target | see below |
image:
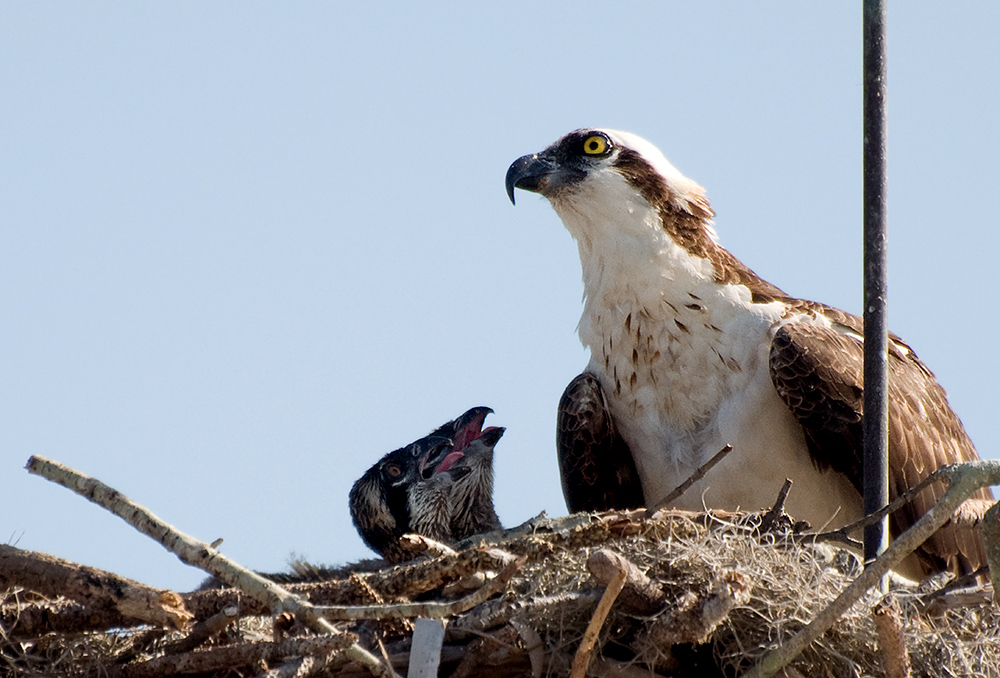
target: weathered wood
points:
(196, 553)
(892, 646)
(991, 537)
(430, 610)
(32, 619)
(230, 657)
(694, 617)
(92, 587)
(425, 648)
(640, 594)
(963, 480)
(581, 660)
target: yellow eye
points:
(595, 145)
(393, 471)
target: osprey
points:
(440, 486)
(691, 351)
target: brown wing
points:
(818, 372)
(596, 465)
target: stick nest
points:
(728, 593)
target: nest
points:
(720, 592)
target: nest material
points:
(774, 584)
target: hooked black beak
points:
(475, 415)
(491, 436)
(529, 172)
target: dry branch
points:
(889, 624)
(495, 649)
(695, 477)
(417, 545)
(842, 534)
(419, 577)
(770, 519)
(639, 595)
(990, 526)
(204, 630)
(298, 668)
(502, 611)
(963, 480)
(31, 619)
(693, 618)
(581, 660)
(532, 642)
(540, 525)
(196, 553)
(94, 588)
(236, 656)
(428, 610)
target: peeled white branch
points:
(197, 553)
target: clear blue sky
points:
(247, 248)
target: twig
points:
(901, 500)
(415, 578)
(582, 657)
(693, 618)
(540, 523)
(302, 666)
(450, 654)
(533, 644)
(963, 480)
(204, 630)
(609, 668)
(401, 581)
(197, 553)
(971, 580)
(233, 656)
(639, 595)
(889, 624)
(990, 527)
(972, 597)
(34, 619)
(695, 477)
(768, 520)
(499, 612)
(100, 590)
(490, 650)
(428, 610)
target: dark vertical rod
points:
(876, 436)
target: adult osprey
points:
(691, 351)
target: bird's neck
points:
(657, 316)
(630, 261)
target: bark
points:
(99, 590)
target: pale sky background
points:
(248, 248)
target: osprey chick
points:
(472, 494)
(691, 351)
(440, 486)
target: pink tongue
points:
(448, 461)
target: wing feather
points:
(596, 466)
(818, 372)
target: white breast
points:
(684, 364)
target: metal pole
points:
(876, 437)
